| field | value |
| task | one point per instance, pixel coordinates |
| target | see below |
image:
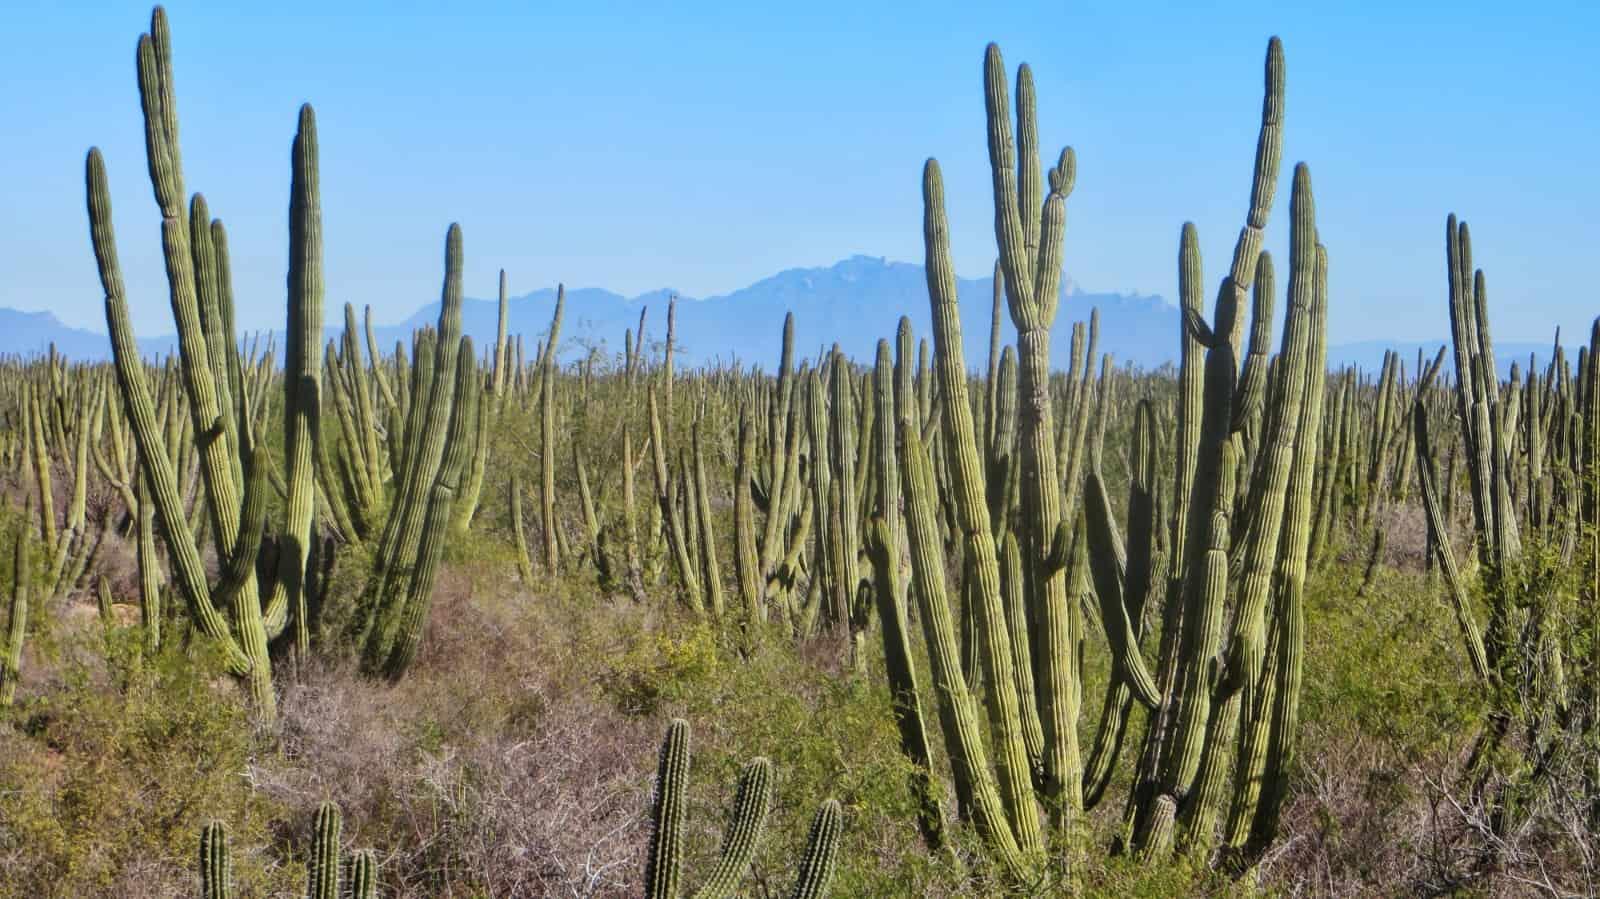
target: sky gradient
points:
(640, 147)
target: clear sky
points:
(703, 146)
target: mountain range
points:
(853, 302)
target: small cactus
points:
(216, 868)
(664, 865)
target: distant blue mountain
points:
(853, 302)
(33, 333)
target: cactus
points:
(524, 563)
(747, 563)
(1519, 657)
(1012, 762)
(216, 869)
(745, 823)
(664, 864)
(885, 535)
(822, 850)
(363, 875)
(323, 870)
(547, 463)
(975, 784)
(710, 572)
(16, 620)
(678, 535)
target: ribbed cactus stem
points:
(1015, 772)
(16, 619)
(364, 875)
(524, 563)
(39, 458)
(958, 710)
(502, 347)
(1259, 553)
(749, 815)
(302, 401)
(710, 571)
(822, 852)
(547, 438)
(670, 513)
(664, 864)
(1029, 227)
(414, 604)
(747, 564)
(427, 431)
(842, 427)
(157, 465)
(323, 870)
(216, 868)
(666, 357)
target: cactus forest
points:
(314, 615)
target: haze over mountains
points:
(853, 302)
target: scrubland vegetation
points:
(455, 620)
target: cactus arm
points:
(977, 537)
(672, 521)
(822, 851)
(413, 613)
(154, 460)
(968, 756)
(750, 806)
(323, 871)
(747, 564)
(664, 864)
(216, 868)
(16, 620)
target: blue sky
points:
(703, 146)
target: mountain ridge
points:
(868, 292)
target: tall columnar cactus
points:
(1029, 229)
(410, 610)
(678, 535)
(664, 864)
(710, 571)
(502, 343)
(324, 869)
(965, 741)
(845, 442)
(216, 868)
(1228, 658)
(1522, 653)
(16, 619)
(524, 563)
(444, 384)
(218, 399)
(547, 439)
(747, 563)
(1015, 781)
(302, 376)
(884, 538)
